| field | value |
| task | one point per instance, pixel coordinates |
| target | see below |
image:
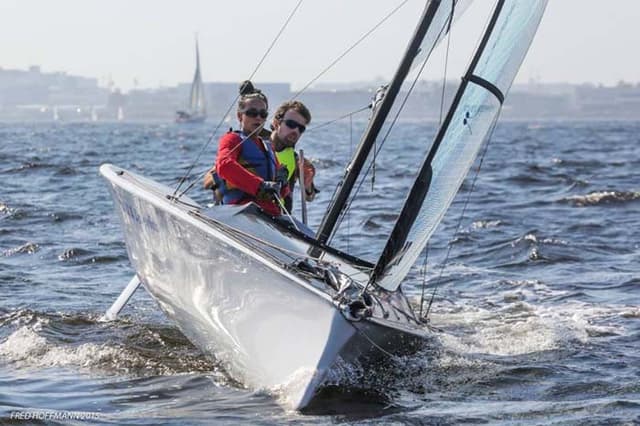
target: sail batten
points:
(467, 125)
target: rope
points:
(284, 210)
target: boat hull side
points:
(267, 329)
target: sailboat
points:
(196, 111)
(274, 302)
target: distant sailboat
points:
(120, 114)
(56, 116)
(197, 109)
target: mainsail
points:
(468, 123)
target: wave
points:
(66, 171)
(602, 197)
(513, 327)
(30, 165)
(41, 340)
(11, 213)
(378, 221)
(509, 252)
(64, 216)
(26, 248)
(81, 256)
(481, 224)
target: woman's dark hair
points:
(248, 92)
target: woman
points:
(247, 168)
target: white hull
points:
(272, 328)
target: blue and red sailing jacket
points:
(243, 164)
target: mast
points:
(375, 125)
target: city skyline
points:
(144, 44)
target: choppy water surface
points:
(538, 302)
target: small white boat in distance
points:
(196, 111)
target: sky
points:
(150, 43)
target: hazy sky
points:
(152, 41)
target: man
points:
(289, 123)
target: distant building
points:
(33, 95)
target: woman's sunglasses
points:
(293, 124)
(253, 113)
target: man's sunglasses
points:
(253, 113)
(293, 124)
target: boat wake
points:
(39, 340)
(508, 325)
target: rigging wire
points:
(391, 126)
(381, 145)
(362, 38)
(188, 173)
(464, 209)
(386, 136)
(350, 155)
(423, 273)
(446, 63)
(444, 85)
(347, 115)
(353, 46)
(486, 147)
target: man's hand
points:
(309, 173)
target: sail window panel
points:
(469, 128)
(509, 42)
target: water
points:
(537, 302)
